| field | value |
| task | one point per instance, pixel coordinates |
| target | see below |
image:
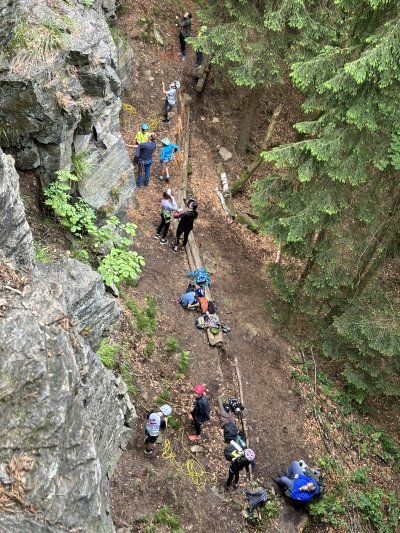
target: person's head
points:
(249, 454)
(166, 196)
(153, 137)
(175, 85)
(144, 127)
(187, 15)
(309, 487)
(194, 206)
(199, 390)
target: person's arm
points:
(175, 147)
(163, 89)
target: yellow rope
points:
(191, 467)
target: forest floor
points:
(279, 409)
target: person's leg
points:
(182, 44)
(140, 174)
(197, 426)
(294, 468)
(199, 58)
(237, 477)
(230, 478)
(147, 167)
(166, 171)
(178, 236)
(161, 226)
(185, 238)
(163, 169)
(289, 483)
(166, 228)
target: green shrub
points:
(174, 423)
(145, 318)
(360, 475)
(149, 349)
(164, 396)
(81, 165)
(88, 3)
(165, 516)
(184, 362)
(172, 345)
(107, 352)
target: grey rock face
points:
(15, 235)
(47, 106)
(65, 418)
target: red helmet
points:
(199, 389)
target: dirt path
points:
(237, 260)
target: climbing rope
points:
(192, 468)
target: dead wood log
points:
(247, 173)
(202, 73)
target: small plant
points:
(81, 165)
(145, 318)
(174, 423)
(184, 361)
(166, 517)
(164, 396)
(81, 255)
(88, 3)
(151, 310)
(127, 376)
(119, 265)
(360, 475)
(172, 345)
(107, 353)
(119, 37)
(147, 25)
(42, 253)
(149, 349)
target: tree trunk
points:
(239, 183)
(248, 120)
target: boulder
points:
(225, 154)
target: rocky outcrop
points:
(60, 95)
(15, 235)
(65, 418)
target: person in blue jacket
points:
(167, 151)
(301, 487)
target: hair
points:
(153, 136)
(194, 206)
(189, 15)
(166, 195)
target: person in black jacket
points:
(200, 412)
(243, 461)
(185, 226)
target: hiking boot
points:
(164, 241)
(175, 249)
(167, 179)
(157, 236)
(226, 485)
(149, 452)
(166, 121)
(182, 248)
(235, 486)
(160, 177)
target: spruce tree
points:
(334, 203)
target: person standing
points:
(142, 136)
(243, 461)
(200, 412)
(185, 25)
(168, 206)
(145, 160)
(167, 151)
(185, 226)
(153, 425)
(170, 99)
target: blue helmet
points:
(144, 126)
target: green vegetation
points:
(120, 263)
(42, 253)
(81, 165)
(164, 396)
(174, 423)
(147, 33)
(184, 362)
(166, 517)
(172, 345)
(145, 321)
(149, 349)
(36, 43)
(88, 3)
(107, 352)
(118, 36)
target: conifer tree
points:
(334, 204)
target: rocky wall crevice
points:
(65, 100)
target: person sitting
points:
(300, 486)
(189, 300)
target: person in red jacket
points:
(185, 226)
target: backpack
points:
(231, 453)
(235, 405)
(212, 308)
(203, 304)
(199, 323)
(230, 432)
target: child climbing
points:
(156, 420)
(145, 160)
(185, 226)
(238, 463)
(170, 99)
(200, 412)
(167, 151)
(168, 206)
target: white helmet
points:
(166, 409)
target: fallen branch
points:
(244, 423)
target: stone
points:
(197, 449)
(215, 120)
(158, 37)
(15, 235)
(225, 154)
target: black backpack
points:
(230, 432)
(231, 453)
(212, 308)
(235, 405)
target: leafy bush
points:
(88, 3)
(184, 362)
(149, 349)
(174, 423)
(165, 516)
(164, 396)
(82, 167)
(42, 253)
(120, 263)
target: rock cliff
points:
(65, 418)
(60, 94)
